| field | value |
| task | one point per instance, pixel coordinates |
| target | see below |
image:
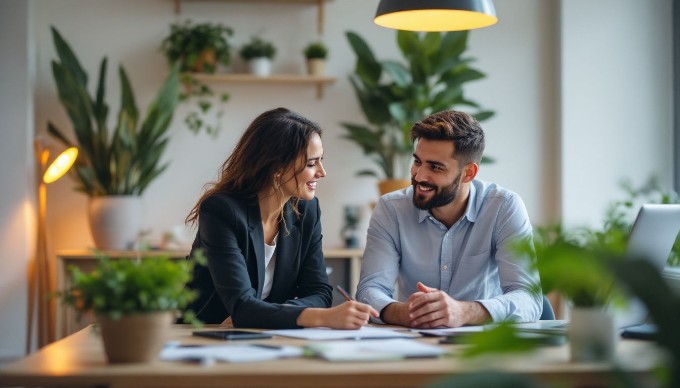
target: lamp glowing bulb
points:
(61, 165)
(435, 15)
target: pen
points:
(344, 293)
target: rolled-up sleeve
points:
(518, 302)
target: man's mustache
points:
(415, 182)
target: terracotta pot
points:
(389, 185)
(206, 62)
(135, 337)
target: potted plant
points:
(134, 301)
(577, 265)
(393, 95)
(113, 167)
(199, 48)
(259, 54)
(316, 54)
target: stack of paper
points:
(319, 334)
(228, 353)
(374, 350)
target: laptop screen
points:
(651, 238)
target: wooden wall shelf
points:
(319, 81)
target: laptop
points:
(652, 237)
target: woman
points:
(260, 230)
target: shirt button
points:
(445, 267)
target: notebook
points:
(652, 237)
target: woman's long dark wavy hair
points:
(273, 142)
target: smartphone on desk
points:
(231, 335)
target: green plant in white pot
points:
(134, 301)
(393, 95)
(577, 265)
(114, 167)
(259, 54)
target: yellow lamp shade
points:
(61, 165)
(435, 15)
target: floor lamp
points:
(41, 272)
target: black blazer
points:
(231, 237)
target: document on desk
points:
(373, 350)
(323, 333)
(451, 330)
(228, 353)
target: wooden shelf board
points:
(274, 78)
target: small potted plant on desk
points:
(259, 54)
(577, 265)
(134, 301)
(316, 54)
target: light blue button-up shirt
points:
(471, 261)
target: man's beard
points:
(441, 197)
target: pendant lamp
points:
(435, 15)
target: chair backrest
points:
(548, 313)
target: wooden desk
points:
(86, 261)
(79, 360)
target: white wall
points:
(510, 52)
(616, 101)
(546, 119)
(16, 172)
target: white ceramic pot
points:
(115, 221)
(261, 67)
(592, 335)
(316, 66)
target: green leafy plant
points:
(575, 263)
(125, 286)
(393, 95)
(126, 160)
(316, 50)
(644, 281)
(199, 48)
(257, 48)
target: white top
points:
(269, 264)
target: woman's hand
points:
(349, 315)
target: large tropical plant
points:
(119, 162)
(395, 94)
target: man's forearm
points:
(396, 313)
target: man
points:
(446, 240)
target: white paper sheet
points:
(374, 350)
(228, 353)
(322, 333)
(450, 330)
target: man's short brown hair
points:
(461, 128)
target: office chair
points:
(548, 313)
